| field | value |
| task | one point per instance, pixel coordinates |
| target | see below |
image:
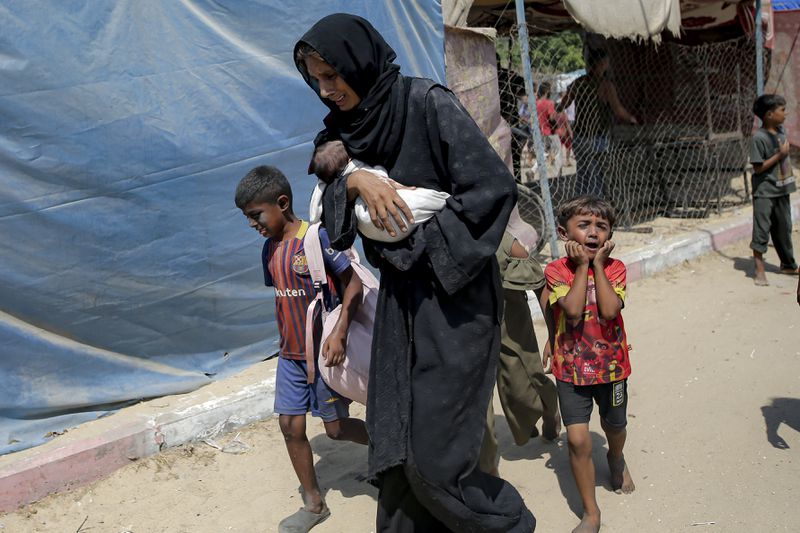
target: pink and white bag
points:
(350, 379)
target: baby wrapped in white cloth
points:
(331, 159)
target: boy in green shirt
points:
(772, 184)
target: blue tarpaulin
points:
(785, 5)
(126, 271)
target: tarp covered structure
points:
(633, 19)
(126, 272)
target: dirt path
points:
(714, 435)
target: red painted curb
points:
(72, 465)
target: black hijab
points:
(373, 130)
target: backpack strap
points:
(316, 267)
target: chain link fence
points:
(659, 130)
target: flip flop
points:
(302, 521)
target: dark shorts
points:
(576, 402)
(293, 396)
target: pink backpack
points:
(349, 379)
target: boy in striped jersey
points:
(265, 197)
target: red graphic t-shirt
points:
(286, 270)
(595, 350)
(546, 110)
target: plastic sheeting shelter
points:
(126, 272)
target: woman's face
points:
(331, 85)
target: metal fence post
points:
(759, 50)
(541, 162)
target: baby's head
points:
(587, 220)
(329, 160)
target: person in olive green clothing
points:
(772, 183)
(525, 392)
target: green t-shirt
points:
(765, 184)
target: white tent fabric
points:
(632, 19)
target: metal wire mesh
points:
(687, 154)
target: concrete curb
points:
(648, 260)
(97, 448)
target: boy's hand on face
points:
(577, 253)
(333, 350)
(604, 253)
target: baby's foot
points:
(589, 524)
(761, 280)
(621, 480)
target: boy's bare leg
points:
(761, 275)
(580, 459)
(350, 429)
(621, 480)
(293, 428)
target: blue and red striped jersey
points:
(286, 270)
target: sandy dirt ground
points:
(714, 435)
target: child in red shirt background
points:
(584, 295)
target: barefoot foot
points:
(761, 280)
(621, 480)
(589, 524)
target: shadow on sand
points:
(556, 458)
(781, 411)
(746, 265)
(342, 467)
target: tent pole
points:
(759, 50)
(541, 162)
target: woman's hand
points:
(547, 358)
(518, 251)
(382, 200)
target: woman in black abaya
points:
(437, 331)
